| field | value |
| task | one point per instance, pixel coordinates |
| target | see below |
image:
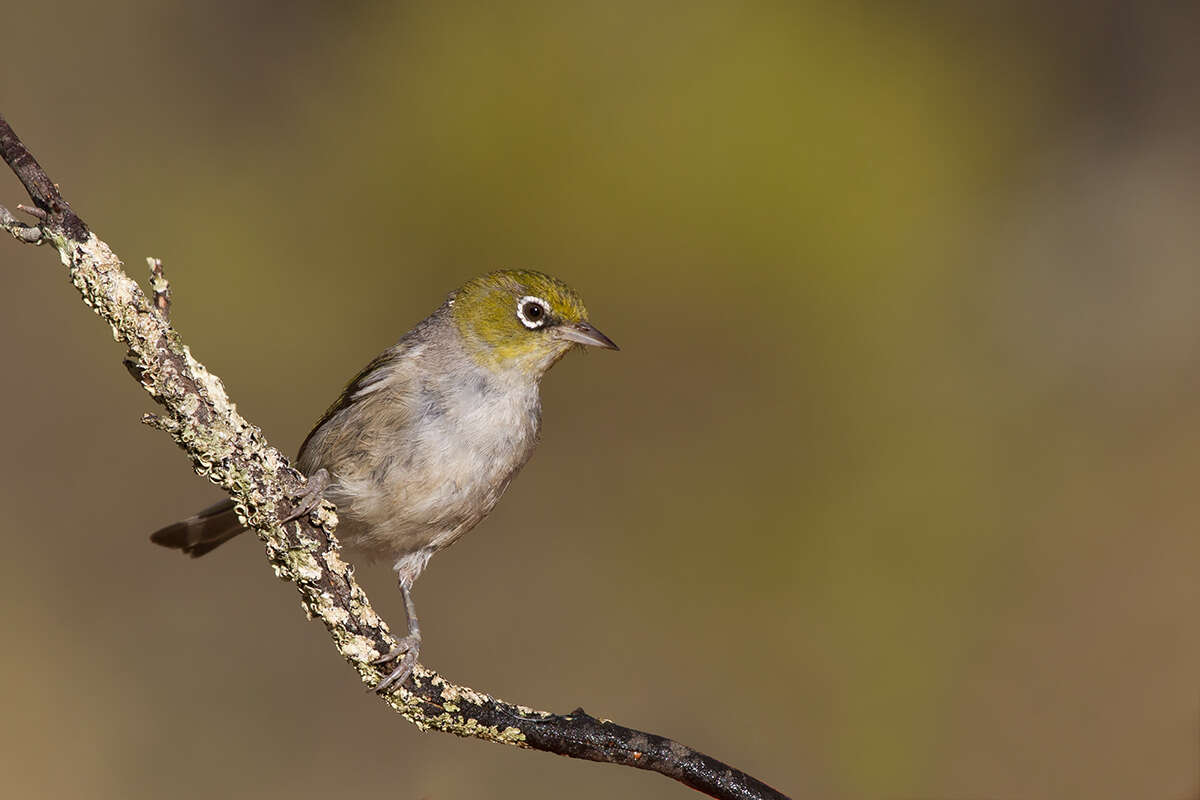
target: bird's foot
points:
(405, 654)
(310, 499)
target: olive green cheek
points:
(485, 314)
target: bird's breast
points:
(434, 480)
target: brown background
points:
(891, 492)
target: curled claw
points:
(310, 499)
(405, 654)
(406, 650)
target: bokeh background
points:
(890, 493)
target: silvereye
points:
(423, 442)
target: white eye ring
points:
(532, 311)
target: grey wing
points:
(376, 406)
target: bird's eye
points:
(532, 311)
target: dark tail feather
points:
(205, 531)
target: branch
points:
(234, 455)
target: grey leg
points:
(406, 650)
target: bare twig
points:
(233, 454)
(41, 189)
(30, 234)
(162, 289)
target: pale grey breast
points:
(420, 452)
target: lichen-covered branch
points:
(234, 455)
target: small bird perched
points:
(423, 442)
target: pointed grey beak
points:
(585, 333)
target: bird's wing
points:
(377, 402)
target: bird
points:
(425, 439)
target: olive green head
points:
(521, 320)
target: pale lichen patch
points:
(368, 617)
(213, 388)
(358, 648)
(451, 693)
(303, 565)
(511, 735)
(470, 726)
(328, 610)
(335, 562)
(326, 516)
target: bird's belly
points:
(438, 481)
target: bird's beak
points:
(584, 333)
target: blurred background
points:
(890, 492)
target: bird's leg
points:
(406, 650)
(308, 500)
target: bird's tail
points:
(198, 534)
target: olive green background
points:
(890, 493)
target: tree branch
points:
(234, 455)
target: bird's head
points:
(521, 321)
